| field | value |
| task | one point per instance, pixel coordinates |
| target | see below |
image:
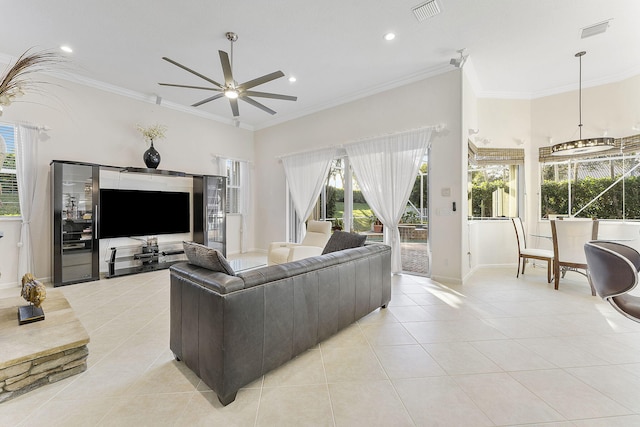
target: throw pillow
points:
(205, 257)
(340, 240)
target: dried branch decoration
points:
(152, 133)
(16, 80)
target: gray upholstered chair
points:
(614, 272)
(525, 253)
(569, 237)
(318, 233)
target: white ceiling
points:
(335, 48)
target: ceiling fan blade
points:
(234, 107)
(190, 87)
(226, 68)
(271, 95)
(257, 104)
(177, 64)
(204, 101)
(260, 80)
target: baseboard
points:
(8, 285)
(483, 266)
(446, 280)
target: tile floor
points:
(498, 351)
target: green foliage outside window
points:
(9, 203)
(493, 191)
(482, 197)
(554, 198)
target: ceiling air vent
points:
(595, 29)
(426, 10)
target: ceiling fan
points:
(231, 89)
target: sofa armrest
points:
(301, 252)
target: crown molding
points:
(138, 96)
(614, 78)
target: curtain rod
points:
(329, 147)
(26, 124)
(437, 128)
(220, 156)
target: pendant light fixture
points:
(582, 146)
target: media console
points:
(144, 257)
(78, 212)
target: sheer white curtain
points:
(386, 168)
(244, 205)
(27, 177)
(305, 173)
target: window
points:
(605, 187)
(233, 186)
(337, 195)
(9, 204)
(494, 180)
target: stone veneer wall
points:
(23, 377)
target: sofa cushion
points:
(340, 240)
(208, 258)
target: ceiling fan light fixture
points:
(231, 93)
(582, 146)
(230, 89)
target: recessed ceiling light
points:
(292, 79)
(66, 48)
(389, 36)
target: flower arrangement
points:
(152, 133)
(15, 82)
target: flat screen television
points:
(127, 213)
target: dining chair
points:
(525, 253)
(569, 237)
(614, 273)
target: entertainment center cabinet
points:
(76, 213)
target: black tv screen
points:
(126, 213)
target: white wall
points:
(95, 126)
(428, 102)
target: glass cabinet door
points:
(209, 211)
(215, 211)
(75, 242)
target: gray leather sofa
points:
(230, 330)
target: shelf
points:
(141, 269)
(150, 260)
(152, 171)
